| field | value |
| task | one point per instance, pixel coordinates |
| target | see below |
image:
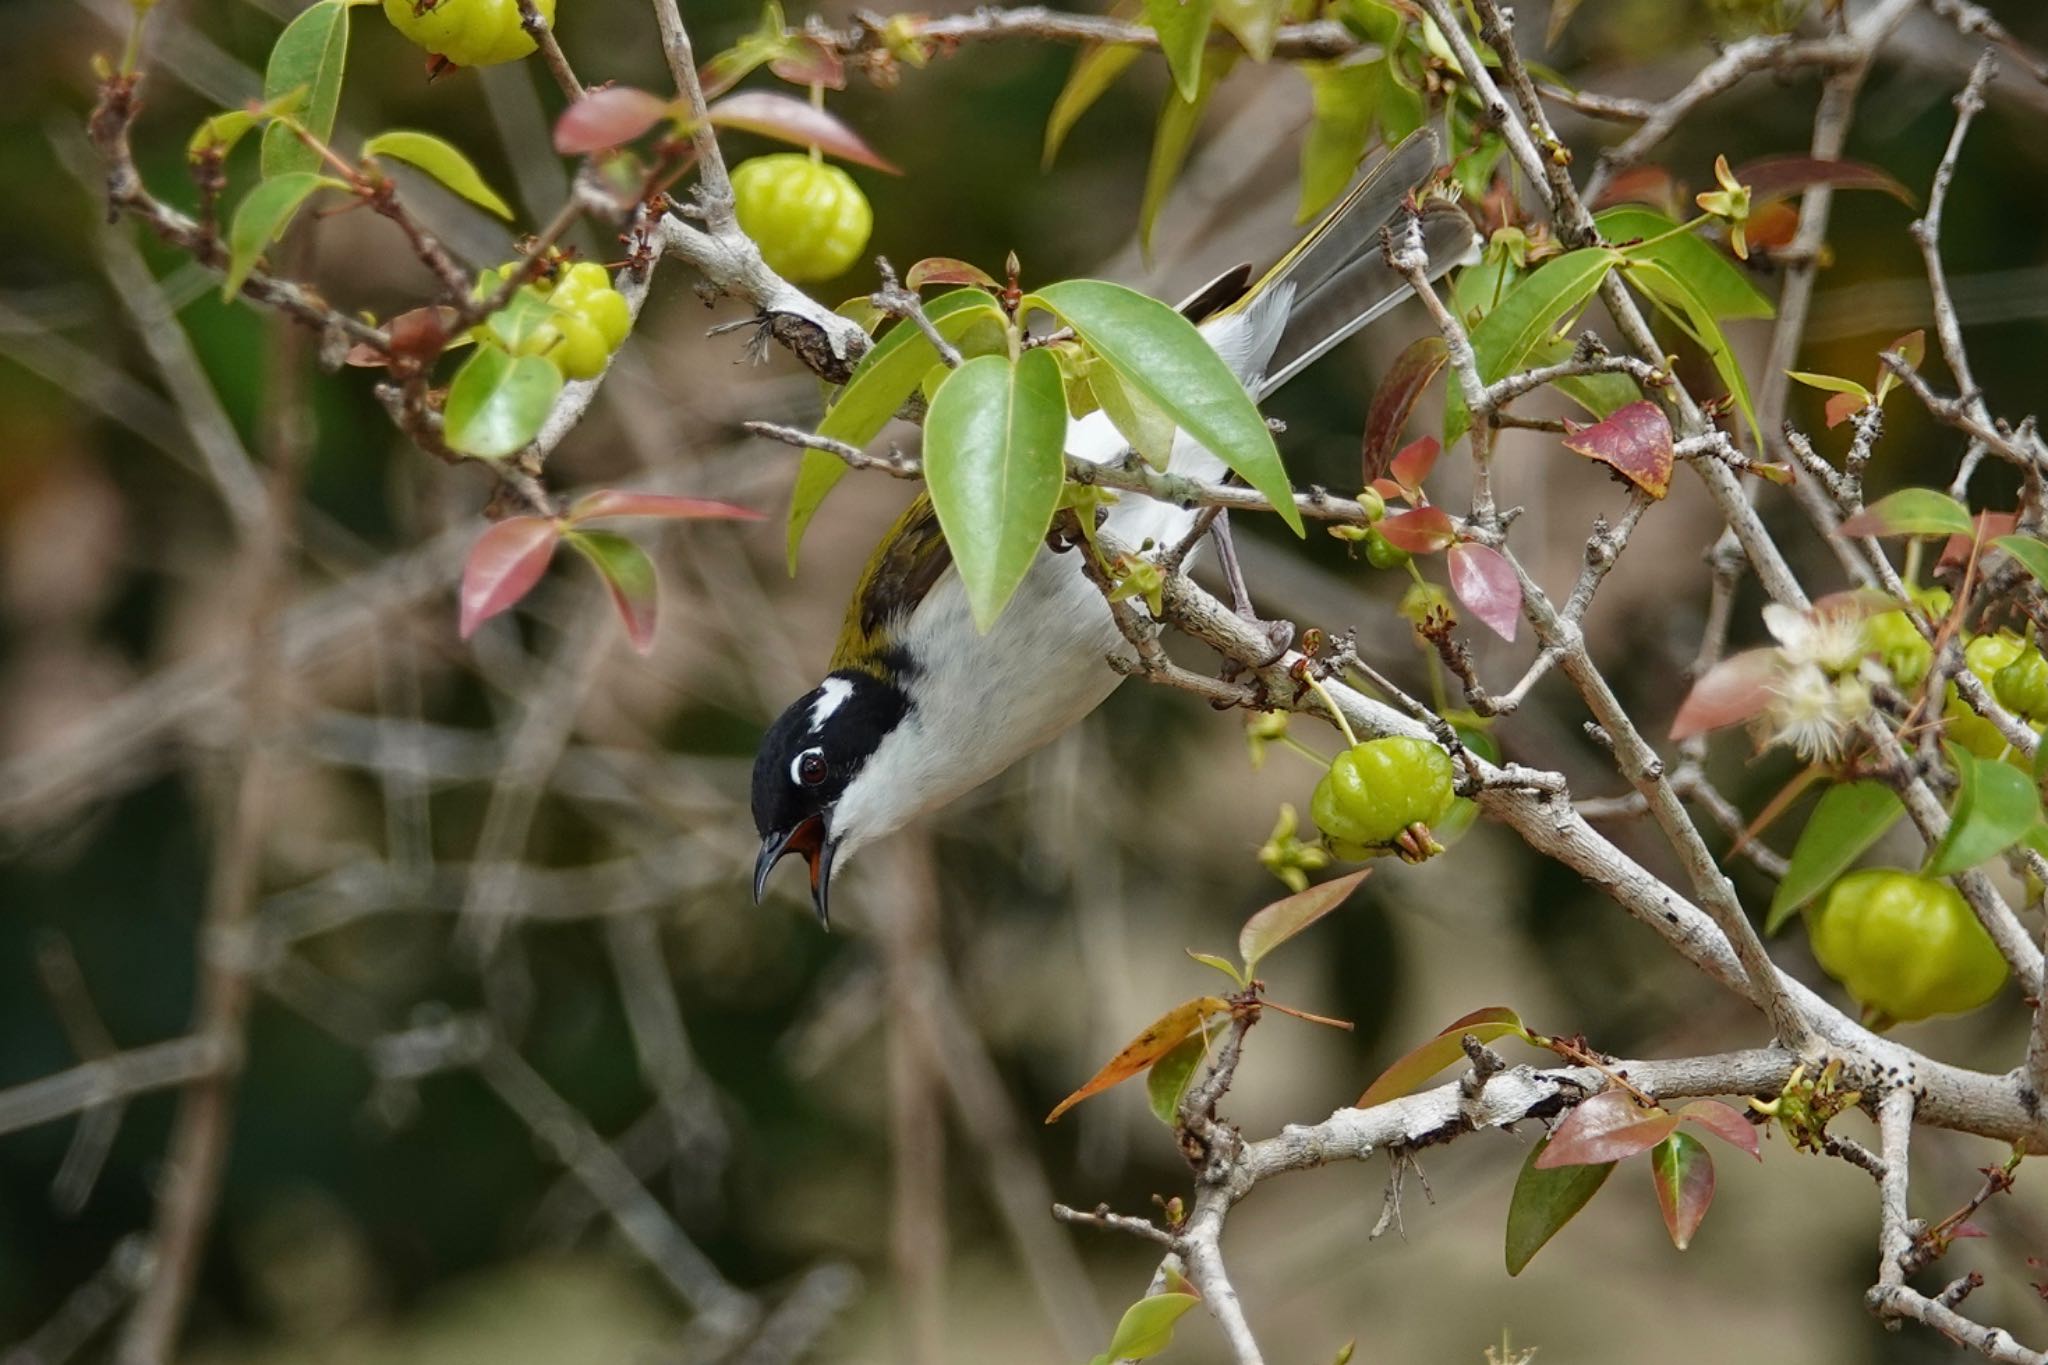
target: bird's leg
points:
(1281, 633)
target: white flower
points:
(1832, 640)
(1812, 713)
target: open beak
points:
(808, 838)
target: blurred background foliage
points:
(378, 1209)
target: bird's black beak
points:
(809, 838)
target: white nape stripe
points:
(832, 695)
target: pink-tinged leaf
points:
(503, 565)
(1730, 692)
(1388, 490)
(1774, 177)
(1842, 406)
(1725, 1123)
(808, 61)
(794, 120)
(1771, 225)
(1485, 582)
(1911, 512)
(1965, 1230)
(1609, 1127)
(1912, 347)
(626, 502)
(1635, 441)
(1413, 464)
(1682, 1170)
(1652, 185)
(1413, 371)
(945, 270)
(1986, 527)
(1419, 530)
(419, 334)
(1419, 1064)
(606, 118)
(629, 574)
(1283, 919)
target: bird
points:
(918, 707)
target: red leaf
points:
(1843, 406)
(1912, 348)
(1650, 185)
(1635, 441)
(1725, 1123)
(1774, 177)
(809, 61)
(1990, 526)
(1608, 1127)
(794, 120)
(1966, 1229)
(1485, 582)
(503, 565)
(626, 502)
(1682, 1170)
(945, 270)
(1388, 490)
(419, 334)
(606, 118)
(1395, 400)
(1733, 690)
(1420, 530)
(1413, 464)
(1772, 225)
(629, 574)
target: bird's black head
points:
(808, 757)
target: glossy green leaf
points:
(1995, 805)
(1723, 288)
(1136, 418)
(1168, 1078)
(1183, 29)
(994, 461)
(885, 378)
(1496, 1021)
(1850, 818)
(1828, 383)
(1178, 118)
(261, 218)
(1161, 357)
(1682, 1170)
(498, 401)
(1095, 70)
(2032, 554)
(1544, 1201)
(1534, 309)
(629, 576)
(1284, 918)
(220, 133)
(1676, 298)
(1147, 1326)
(311, 52)
(1478, 289)
(441, 161)
(1912, 512)
(1345, 97)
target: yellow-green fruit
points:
(1906, 947)
(809, 219)
(1899, 645)
(467, 32)
(1376, 790)
(1986, 656)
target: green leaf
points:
(1603, 395)
(1678, 300)
(1346, 96)
(1183, 29)
(1496, 1021)
(1222, 965)
(498, 401)
(1176, 129)
(1163, 359)
(994, 461)
(1255, 23)
(1544, 1201)
(1849, 819)
(1829, 383)
(1995, 805)
(1478, 288)
(1531, 311)
(311, 52)
(1682, 1170)
(1147, 1326)
(1095, 70)
(261, 218)
(220, 133)
(1168, 1078)
(1136, 418)
(443, 162)
(886, 376)
(629, 575)
(1912, 512)
(2032, 554)
(1721, 287)
(1284, 918)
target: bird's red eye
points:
(810, 767)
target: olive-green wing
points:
(910, 560)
